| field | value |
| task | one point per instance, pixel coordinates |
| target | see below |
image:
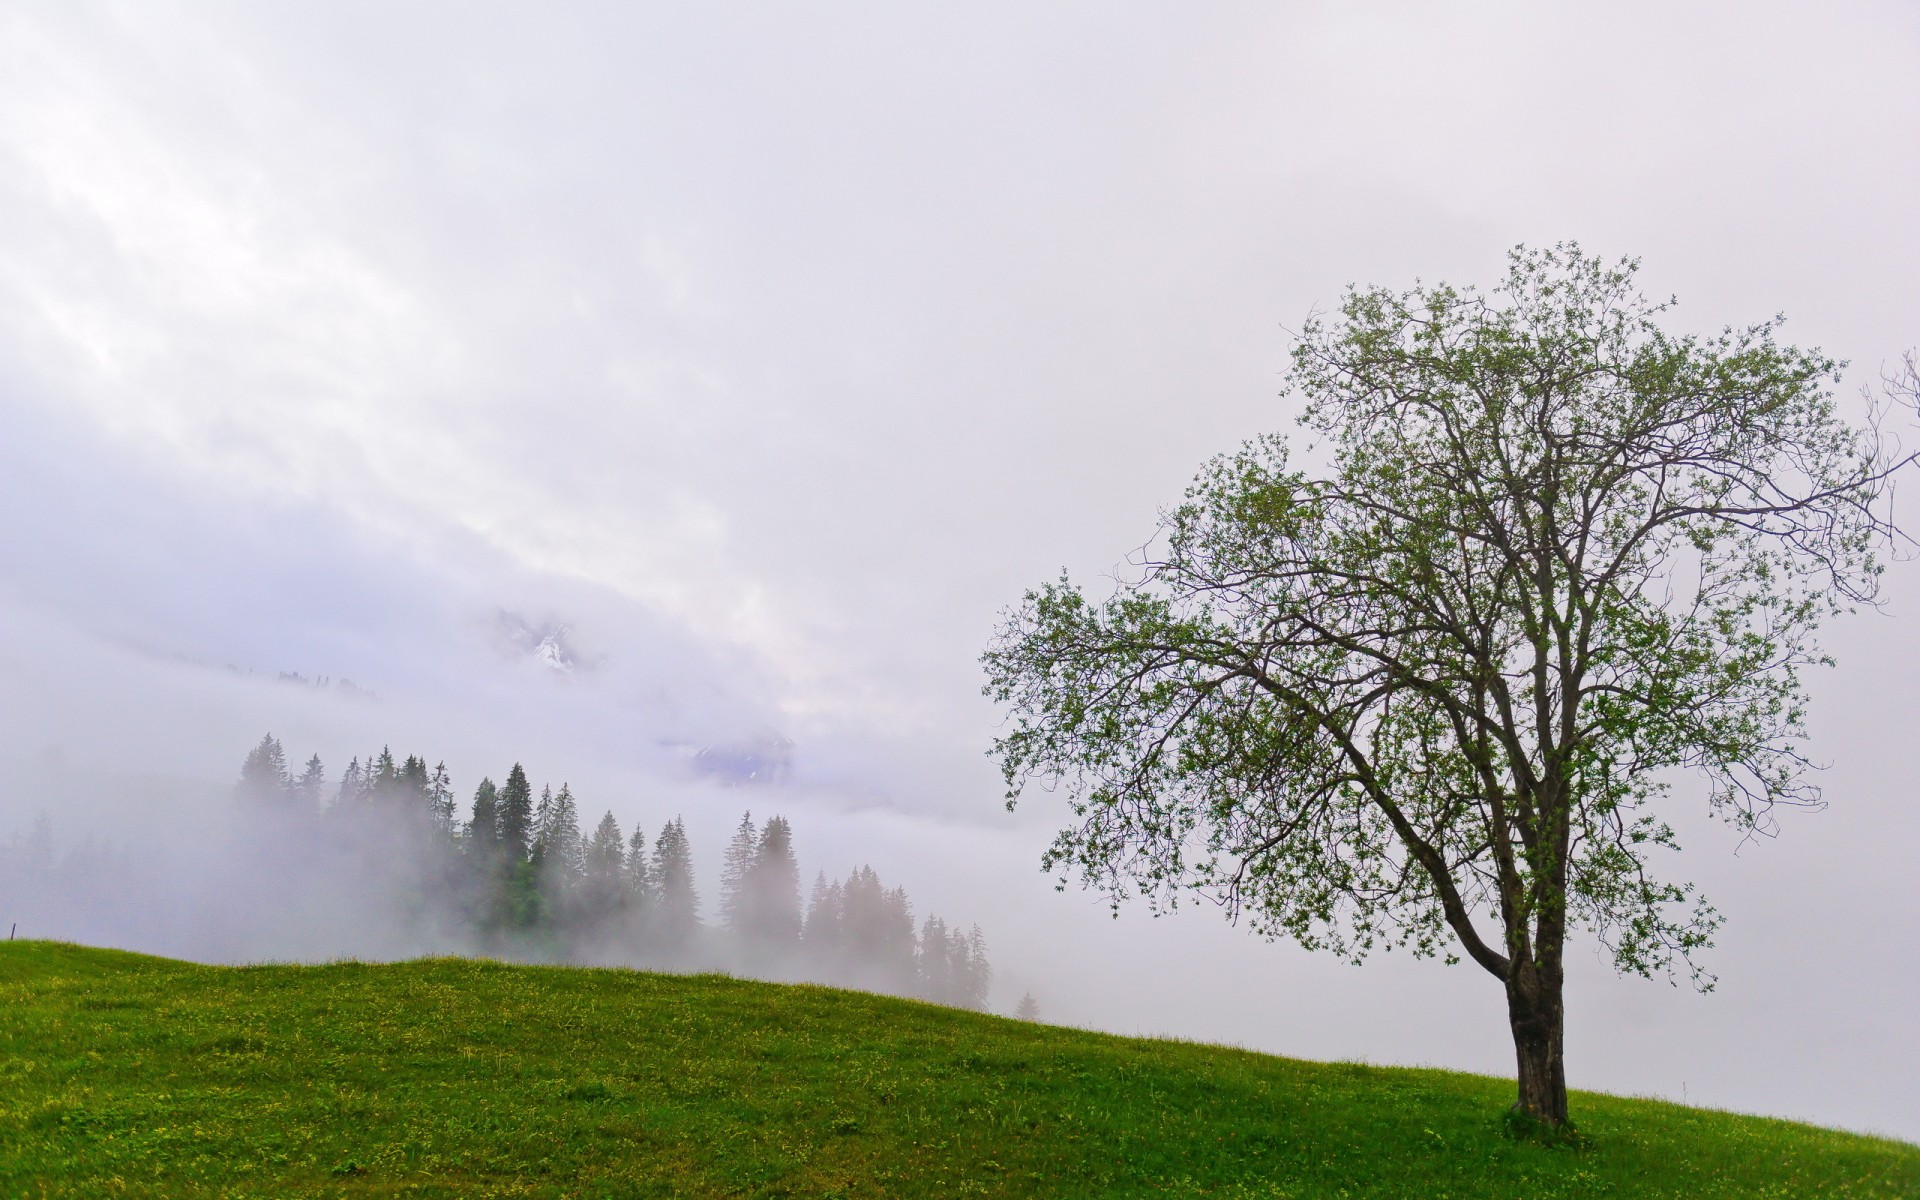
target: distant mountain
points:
(546, 642)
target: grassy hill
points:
(127, 1075)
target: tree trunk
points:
(1534, 1010)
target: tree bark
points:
(1538, 1018)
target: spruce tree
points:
(413, 789)
(351, 790)
(1028, 1009)
(862, 915)
(516, 815)
(537, 837)
(564, 851)
(383, 777)
(774, 886)
(893, 942)
(483, 831)
(678, 908)
(933, 963)
(639, 885)
(821, 933)
(606, 852)
(977, 977)
(557, 860)
(736, 877)
(519, 903)
(308, 787)
(263, 776)
(440, 801)
(604, 883)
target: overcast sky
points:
(775, 350)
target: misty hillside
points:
(128, 1075)
(296, 867)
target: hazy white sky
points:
(776, 350)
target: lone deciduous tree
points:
(1435, 694)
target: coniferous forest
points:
(524, 876)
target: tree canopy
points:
(1435, 693)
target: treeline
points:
(526, 878)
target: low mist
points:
(381, 865)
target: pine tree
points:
(640, 884)
(606, 851)
(678, 908)
(774, 886)
(876, 931)
(604, 884)
(537, 847)
(413, 789)
(383, 776)
(821, 933)
(308, 787)
(976, 977)
(862, 913)
(558, 858)
(351, 789)
(892, 946)
(1028, 1009)
(933, 963)
(980, 982)
(483, 831)
(736, 873)
(263, 776)
(516, 815)
(565, 852)
(440, 801)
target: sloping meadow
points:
(127, 1075)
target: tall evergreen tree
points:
(516, 815)
(483, 831)
(606, 852)
(383, 777)
(677, 910)
(978, 976)
(413, 789)
(263, 776)
(821, 933)
(561, 850)
(775, 886)
(933, 962)
(440, 801)
(736, 877)
(603, 885)
(640, 886)
(308, 787)
(536, 842)
(352, 788)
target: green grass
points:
(127, 1075)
